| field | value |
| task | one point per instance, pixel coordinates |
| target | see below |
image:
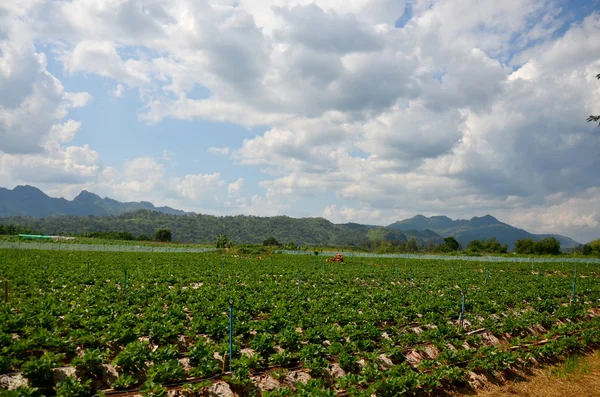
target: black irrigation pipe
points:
(176, 385)
(111, 392)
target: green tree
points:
(162, 235)
(595, 246)
(525, 246)
(494, 246)
(595, 119)
(548, 245)
(452, 244)
(412, 246)
(475, 246)
(222, 240)
(271, 241)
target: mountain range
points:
(29, 206)
(476, 228)
(31, 201)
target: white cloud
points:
(347, 214)
(101, 58)
(119, 91)
(198, 187)
(168, 156)
(219, 150)
(236, 187)
(470, 107)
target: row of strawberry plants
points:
(72, 305)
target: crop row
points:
(143, 320)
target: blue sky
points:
(364, 111)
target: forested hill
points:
(28, 206)
(240, 229)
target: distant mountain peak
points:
(477, 228)
(87, 196)
(27, 189)
(25, 200)
(440, 217)
(484, 220)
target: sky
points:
(353, 110)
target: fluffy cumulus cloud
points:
(468, 107)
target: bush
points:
(163, 235)
(450, 245)
(525, 246)
(545, 246)
(491, 246)
(548, 245)
(271, 241)
(223, 241)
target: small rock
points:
(220, 389)
(109, 374)
(293, 377)
(385, 361)
(61, 373)
(266, 383)
(414, 358)
(185, 363)
(431, 352)
(335, 371)
(247, 351)
(477, 381)
(490, 339)
(11, 382)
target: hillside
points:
(476, 228)
(31, 201)
(240, 229)
(29, 206)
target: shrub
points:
(271, 241)
(162, 235)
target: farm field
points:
(87, 323)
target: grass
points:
(577, 376)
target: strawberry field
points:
(152, 324)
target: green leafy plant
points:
(132, 359)
(125, 381)
(71, 387)
(151, 389)
(90, 363)
(166, 372)
(39, 371)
